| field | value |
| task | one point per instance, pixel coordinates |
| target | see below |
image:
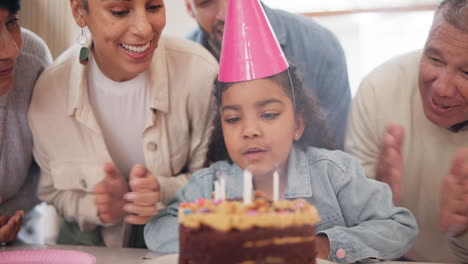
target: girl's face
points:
(125, 34)
(259, 125)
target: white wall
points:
(179, 22)
(368, 39)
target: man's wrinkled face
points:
(443, 74)
(210, 15)
(10, 44)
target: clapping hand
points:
(109, 194)
(390, 163)
(144, 196)
(10, 226)
(454, 197)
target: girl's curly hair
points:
(316, 131)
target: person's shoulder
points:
(301, 26)
(403, 63)
(185, 49)
(397, 72)
(195, 35)
(294, 20)
(34, 47)
(59, 69)
(335, 158)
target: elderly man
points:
(316, 52)
(23, 56)
(408, 125)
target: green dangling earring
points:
(84, 51)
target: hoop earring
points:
(84, 51)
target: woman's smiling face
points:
(125, 33)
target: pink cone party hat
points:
(250, 49)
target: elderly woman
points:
(128, 102)
(23, 56)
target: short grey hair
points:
(455, 12)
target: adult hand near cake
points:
(390, 164)
(10, 226)
(144, 196)
(454, 197)
(109, 194)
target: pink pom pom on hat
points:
(250, 49)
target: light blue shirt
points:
(356, 213)
(320, 60)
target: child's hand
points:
(10, 226)
(322, 245)
(109, 195)
(454, 197)
(144, 196)
(390, 164)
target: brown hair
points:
(316, 131)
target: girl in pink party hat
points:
(266, 123)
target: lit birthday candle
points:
(220, 187)
(275, 186)
(222, 183)
(216, 190)
(247, 187)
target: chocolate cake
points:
(228, 232)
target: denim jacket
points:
(356, 213)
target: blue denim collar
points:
(299, 183)
(234, 183)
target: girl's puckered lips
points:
(254, 153)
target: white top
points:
(121, 109)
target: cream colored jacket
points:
(69, 145)
(390, 94)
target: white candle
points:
(220, 186)
(217, 189)
(275, 186)
(247, 187)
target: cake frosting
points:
(223, 231)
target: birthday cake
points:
(228, 232)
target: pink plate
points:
(46, 256)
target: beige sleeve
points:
(73, 205)
(362, 137)
(71, 200)
(201, 114)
